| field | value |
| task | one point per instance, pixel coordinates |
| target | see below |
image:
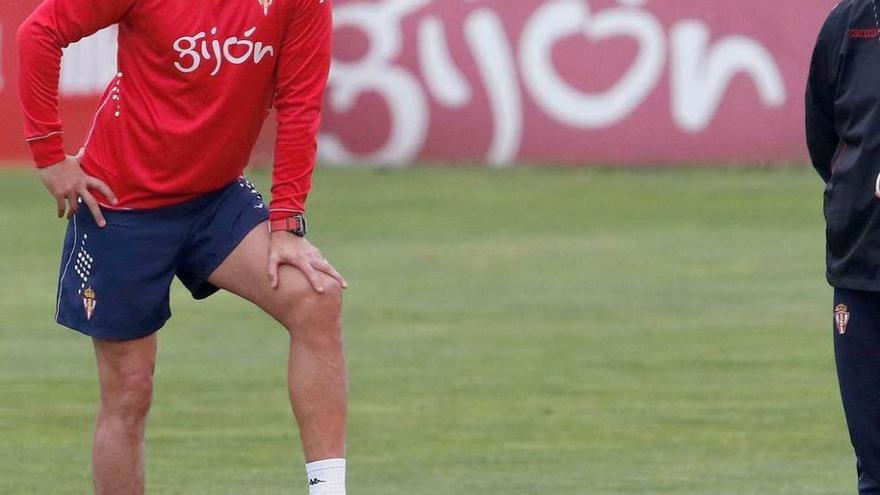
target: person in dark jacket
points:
(843, 135)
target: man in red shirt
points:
(156, 192)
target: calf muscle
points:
(317, 379)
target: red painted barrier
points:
(637, 82)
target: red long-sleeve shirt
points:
(196, 81)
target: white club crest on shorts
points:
(89, 302)
(841, 318)
(265, 4)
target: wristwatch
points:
(295, 224)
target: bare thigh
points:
(245, 273)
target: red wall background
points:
(558, 81)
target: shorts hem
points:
(98, 334)
(206, 289)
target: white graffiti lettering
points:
(559, 19)
(375, 72)
(488, 41)
(700, 76)
(443, 79)
(700, 73)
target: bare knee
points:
(128, 399)
(316, 317)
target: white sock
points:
(326, 477)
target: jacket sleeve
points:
(822, 138)
(302, 72)
(53, 26)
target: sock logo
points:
(315, 481)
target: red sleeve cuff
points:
(48, 151)
(282, 214)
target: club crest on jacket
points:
(841, 318)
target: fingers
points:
(70, 186)
(72, 204)
(325, 266)
(59, 200)
(94, 208)
(312, 275)
(273, 271)
(300, 254)
(103, 188)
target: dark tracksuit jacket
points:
(843, 134)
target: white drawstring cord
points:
(877, 187)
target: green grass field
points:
(519, 332)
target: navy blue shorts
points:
(115, 282)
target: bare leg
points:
(316, 375)
(125, 371)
